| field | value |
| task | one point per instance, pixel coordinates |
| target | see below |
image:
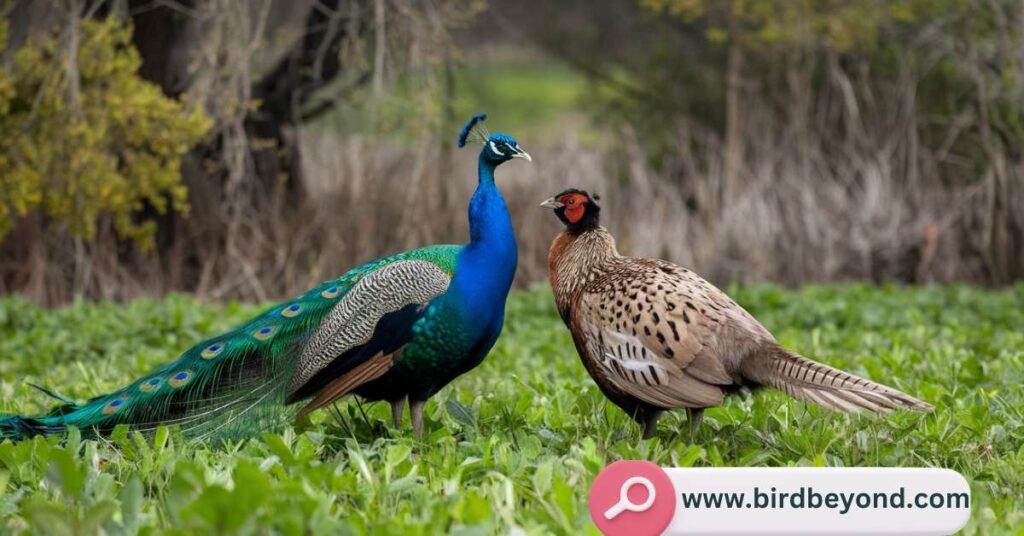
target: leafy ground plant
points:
(512, 447)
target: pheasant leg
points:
(693, 417)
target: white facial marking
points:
(495, 149)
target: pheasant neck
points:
(576, 258)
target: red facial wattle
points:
(574, 208)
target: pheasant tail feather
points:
(831, 388)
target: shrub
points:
(83, 137)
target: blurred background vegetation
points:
(250, 148)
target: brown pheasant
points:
(656, 336)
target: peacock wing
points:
(356, 342)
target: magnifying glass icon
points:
(624, 502)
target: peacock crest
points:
(474, 131)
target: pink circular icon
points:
(632, 498)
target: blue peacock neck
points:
(487, 264)
(489, 222)
(490, 226)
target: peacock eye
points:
(571, 201)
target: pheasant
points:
(656, 336)
(398, 329)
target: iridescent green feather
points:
(230, 385)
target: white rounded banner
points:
(819, 501)
(792, 500)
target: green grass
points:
(516, 442)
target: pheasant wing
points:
(695, 323)
(661, 333)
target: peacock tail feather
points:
(231, 385)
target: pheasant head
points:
(579, 252)
(577, 209)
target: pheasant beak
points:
(552, 203)
(522, 154)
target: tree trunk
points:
(733, 153)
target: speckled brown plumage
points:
(656, 336)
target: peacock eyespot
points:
(212, 351)
(264, 333)
(114, 405)
(151, 385)
(180, 379)
(291, 311)
(331, 293)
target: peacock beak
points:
(551, 203)
(522, 154)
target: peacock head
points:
(498, 148)
(577, 209)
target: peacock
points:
(398, 328)
(656, 336)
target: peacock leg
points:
(396, 411)
(693, 417)
(416, 409)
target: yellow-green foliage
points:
(838, 25)
(104, 143)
